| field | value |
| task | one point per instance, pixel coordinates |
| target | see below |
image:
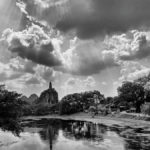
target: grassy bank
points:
(121, 120)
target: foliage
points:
(44, 109)
(10, 110)
(131, 93)
(77, 102)
(143, 80)
(145, 109)
(10, 104)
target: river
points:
(57, 134)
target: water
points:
(55, 134)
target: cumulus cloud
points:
(78, 85)
(134, 45)
(18, 64)
(86, 58)
(7, 73)
(16, 68)
(87, 82)
(138, 47)
(41, 12)
(32, 44)
(46, 73)
(133, 70)
(90, 18)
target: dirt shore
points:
(107, 120)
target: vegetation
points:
(131, 94)
(10, 110)
(79, 102)
(145, 109)
(134, 94)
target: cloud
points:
(134, 45)
(18, 64)
(10, 15)
(87, 82)
(133, 70)
(104, 83)
(90, 18)
(32, 44)
(73, 85)
(138, 47)
(37, 10)
(86, 58)
(32, 81)
(71, 81)
(45, 73)
(7, 73)
(105, 17)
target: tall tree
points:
(10, 110)
(132, 93)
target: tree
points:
(10, 109)
(145, 109)
(143, 80)
(78, 102)
(10, 104)
(131, 92)
(92, 110)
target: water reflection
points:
(13, 125)
(55, 134)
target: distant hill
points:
(24, 98)
(31, 99)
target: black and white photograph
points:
(74, 74)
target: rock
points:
(49, 96)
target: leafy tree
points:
(143, 80)
(78, 102)
(10, 104)
(145, 109)
(10, 109)
(131, 92)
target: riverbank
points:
(119, 120)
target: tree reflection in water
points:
(8, 124)
(84, 131)
(75, 130)
(87, 132)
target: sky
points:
(78, 45)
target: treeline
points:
(78, 102)
(69, 104)
(10, 110)
(130, 95)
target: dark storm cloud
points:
(32, 44)
(86, 59)
(89, 68)
(90, 18)
(41, 56)
(105, 17)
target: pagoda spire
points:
(50, 85)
